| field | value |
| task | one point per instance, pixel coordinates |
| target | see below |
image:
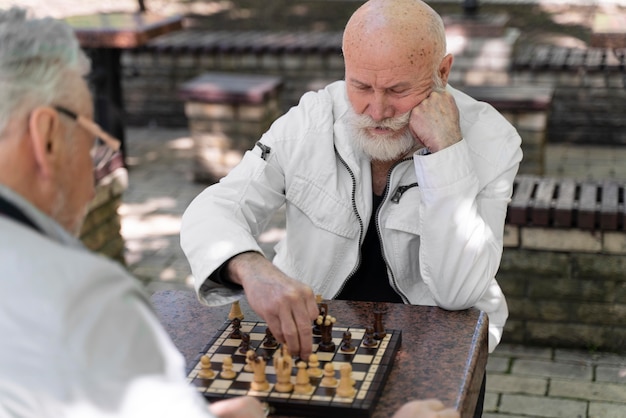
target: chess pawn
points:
(269, 341)
(346, 384)
(235, 311)
(259, 381)
(303, 382)
(236, 332)
(245, 343)
(250, 357)
(346, 343)
(314, 366)
(205, 368)
(227, 368)
(368, 338)
(282, 365)
(329, 379)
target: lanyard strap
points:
(11, 211)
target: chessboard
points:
(370, 368)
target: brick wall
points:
(101, 230)
(152, 78)
(565, 287)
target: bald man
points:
(395, 187)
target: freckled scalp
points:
(410, 28)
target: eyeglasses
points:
(104, 147)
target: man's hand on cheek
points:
(435, 121)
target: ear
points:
(444, 68)
(43, 125)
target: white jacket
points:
(79, 337)
(441, 221)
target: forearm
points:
(462, 227)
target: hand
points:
(240, 407)
(435, 121)
(288, 306)
(429, 408)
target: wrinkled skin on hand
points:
(435, 121)
(285, 304)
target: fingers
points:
(240, 407)
(428, 408)
(435, 121)
(296, 315)
(288, 306)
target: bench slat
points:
(543, 201)
(565, 202)
(609, 205)
(587, 205)
(520, 202)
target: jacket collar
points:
(32, 217)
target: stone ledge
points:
(562, 239)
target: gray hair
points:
(36, 57)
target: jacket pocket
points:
(324, 209)
(405, 214)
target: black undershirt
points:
(370, 282)
(11, 211)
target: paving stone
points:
(597, 391)
(551, 369)
(491, 401)
(521, 351)
(498, 364)
(506, 383)
(605, 410)
(542, 407)
(611, 374)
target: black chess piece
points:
(236, 332)
(379, 329)
(368, 338)
(326, 328)
(346, 343)
(269, 341)
(245, 343)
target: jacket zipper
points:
(265, 150)
(356, 212)
(395, 199)
(400, 191)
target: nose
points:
(378, 107)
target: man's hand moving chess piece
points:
(287, 305)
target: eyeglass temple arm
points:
(109, 140)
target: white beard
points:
(381, 147)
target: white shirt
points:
(78, 335)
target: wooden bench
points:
(256, 42)
(567, 203)
(512, 98)
(538, 57)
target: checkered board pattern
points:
(370, 369)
